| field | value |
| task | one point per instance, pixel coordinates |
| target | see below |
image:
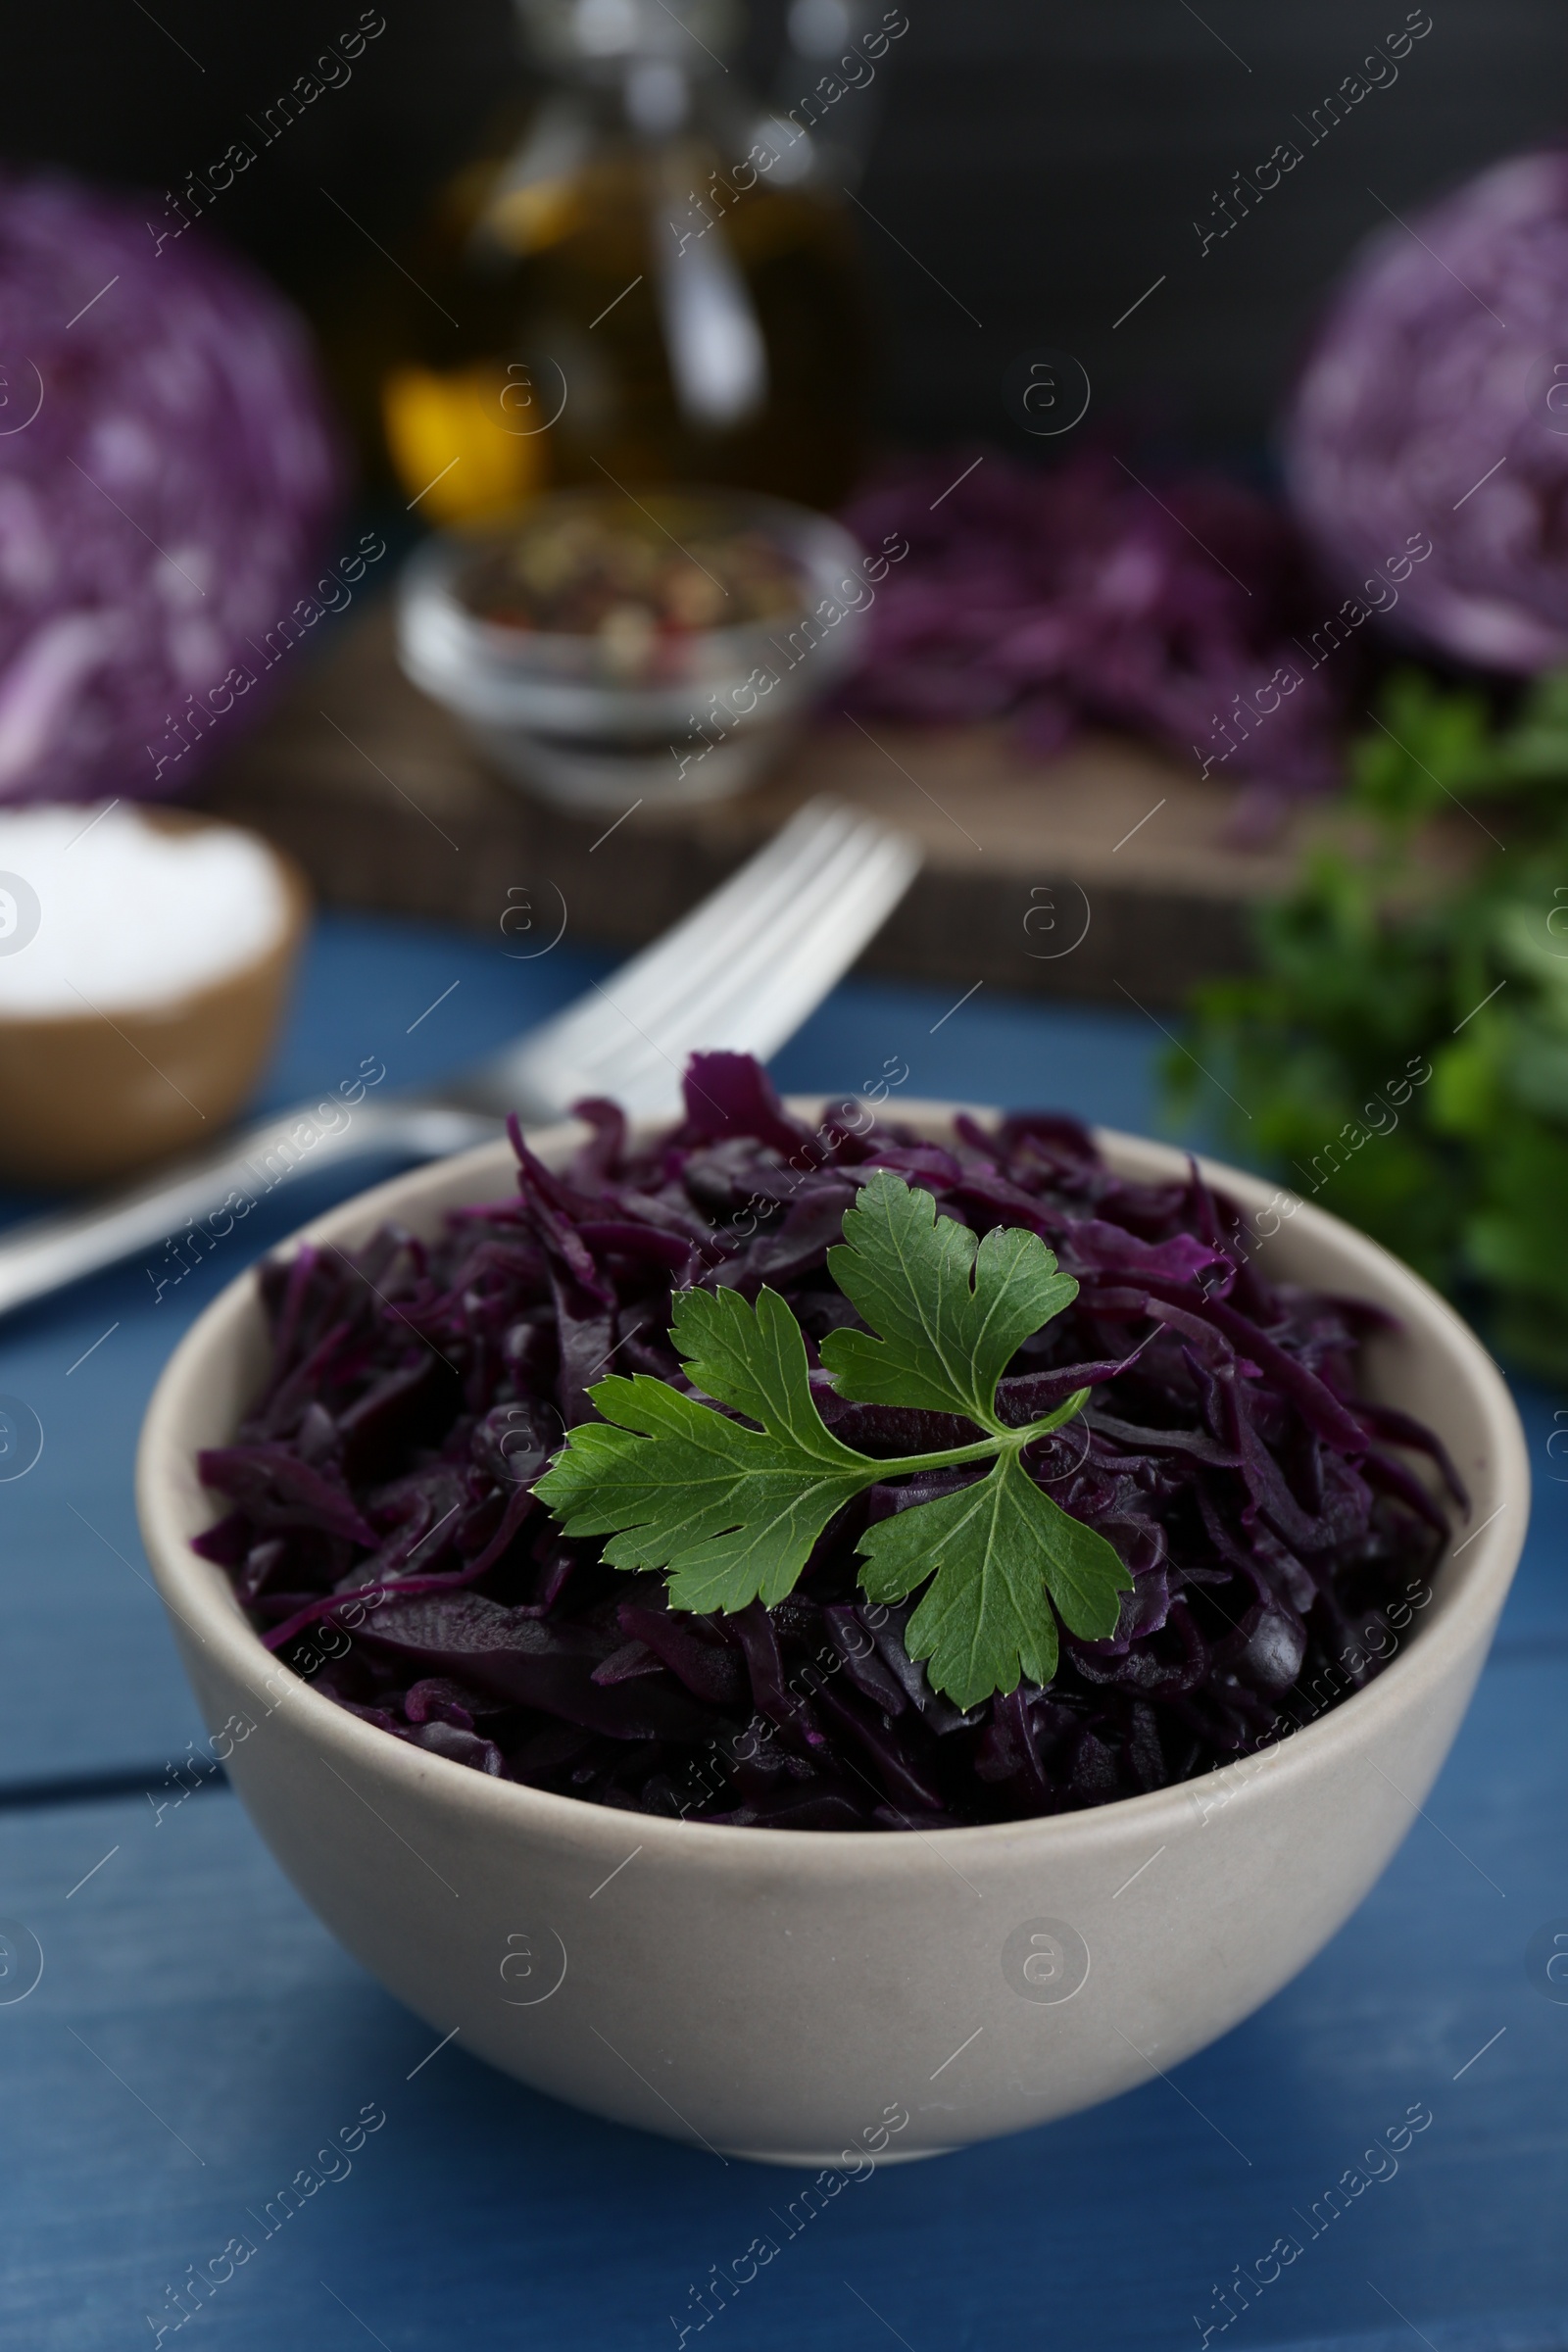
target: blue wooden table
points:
(195, 2037)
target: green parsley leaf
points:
(753, 1359)
(731, 1511)
(998, 1547)
(952, 1310)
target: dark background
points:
(1043, 159)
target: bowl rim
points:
(427, 599)
(199, 1594)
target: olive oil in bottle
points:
(654, 284)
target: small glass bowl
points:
(590, 722)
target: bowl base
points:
(588, 776)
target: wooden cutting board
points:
(1102, 874)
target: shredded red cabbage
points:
(384, 1539)
(1081, 595)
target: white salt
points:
(105, 909)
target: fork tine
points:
(766, 1018)
(684, 961)
(752, 948)
(743, 969)
(640, 1060)
(763, 993)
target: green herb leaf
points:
(753, 1359)
(731, 1511)
(951, 1310)
(1000, 1547)
(1391, 956)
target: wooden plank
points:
(1105, 872)
(196, 2037)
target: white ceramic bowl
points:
(792, 1994)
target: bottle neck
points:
(594, 40)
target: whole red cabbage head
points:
(168, 467)
(1434, 403)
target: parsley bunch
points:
(1383, 961)
(731, 1504)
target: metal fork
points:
(742, 970)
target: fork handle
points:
(45, 1253)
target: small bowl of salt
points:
(145, 958)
